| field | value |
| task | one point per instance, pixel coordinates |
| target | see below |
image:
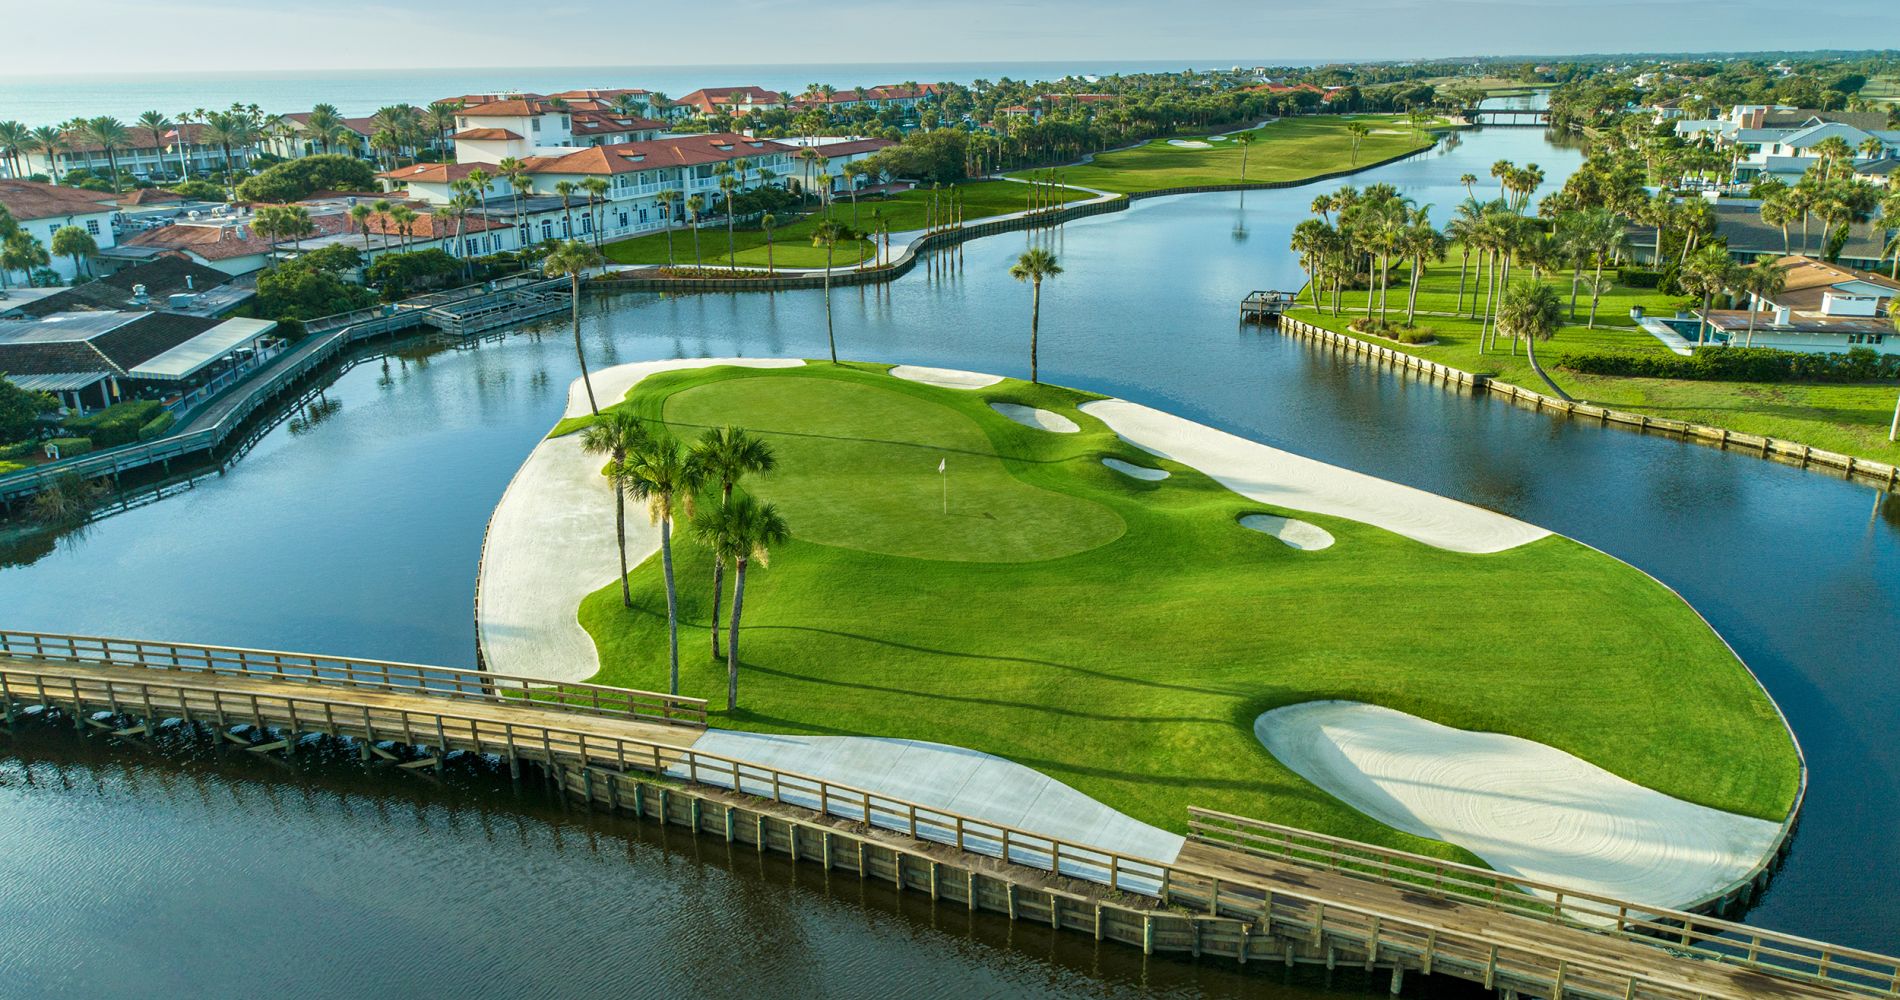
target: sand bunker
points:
(1525, 808)
(1137, 471)
(945, 377)
(1030, 416)
(1189, 144)
(1296, 534)
(551, 541)
(1388, 131)
(1216, 138)
(1283, 479)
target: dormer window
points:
(564, 122)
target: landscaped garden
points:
(792, 237)
(1289, 149)
(1121, 634)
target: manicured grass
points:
(1493, 86)
(1849, 418)
(1290, 149)
(906, 211)
(1131, 663)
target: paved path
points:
(1670, 338)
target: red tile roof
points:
(679, 151)
(240, 239)
(486, 133)
(513, 108)
(436, 173)
(708, 98)
(600, 123)
(150, 196)
(852, 147)
(885, 92)
(33, 200)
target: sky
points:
(44, 38)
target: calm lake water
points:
(357, 531)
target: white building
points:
(44, 209)
(825, 169)
(173, 153)
(1824, 308)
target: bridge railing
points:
(1708, 937)
(310, 668)
(1488, 953)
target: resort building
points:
(890, 95)
(824, 167)
(43, 209)
(533, 126)
(170, 283)
(176, 152)
(731, 100)
(1782, 142)
(1824, 308)
(90, 360)
(295, 140)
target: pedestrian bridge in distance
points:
(1524, 117)
(1242, 889)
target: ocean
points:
(47, 100)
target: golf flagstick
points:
(942, 471)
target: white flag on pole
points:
(940, 464)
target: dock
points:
(1242, 890)
(1265, 307)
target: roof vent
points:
(138, 295)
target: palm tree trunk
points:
(1530, 348)
(578, 352)
(1576, 275)
(1596, 294)
(620, 535)
(829, 338)
(1411, 296)
(1035, 322)
(719, 579)
(732, 637)
(1464, 263)
(672, 605)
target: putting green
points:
(858, 468)
(1121, 635)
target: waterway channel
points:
(355, 525)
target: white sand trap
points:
(1189, 144)
(1388, 131)
(551, 541)
(1284, 479)
(1525, 808)
(1216, 138)
(1137, 471)
(950, 778)
(1296, 534)
(1030, 416)
(948, 378)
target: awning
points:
(57, 381)
(187, 358)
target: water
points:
(359, 534)
(45, 99)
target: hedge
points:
(1738, 364)
(156, 426)
(70, 446)
(1638, 277)
(117, 424)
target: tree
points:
(729, 187)
(1531, 309)
(1763, 279)
(49, 141)
(573, 258)
(766, 222)
(359, 220)
(743, 532)
(828, 234)
(15, 139)
(155, 125)
(74, 242)
(23, 252)
(723, 455)
(1600, 234)
(659, 474)
(665, 200)
(695, 205)
(1358, 131)
(111, 135)
(20, 411)
(566, 190)
(1708, 272)
(301, 178)
(1033, 266)
(1246, 143)
(617, 434)
(597, 188)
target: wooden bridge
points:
(1516, 117)
(1244, 889)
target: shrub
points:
(1738, 364)
(116, 424)
(402, 274)
(303, 177)
(200, 190)
(156, 426)
(70, 446)
(6, 467)
(1394, 331)
(1638, 277)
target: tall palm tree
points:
(1763, 279)
(659, 473)
(1246, 142)
(766, 222)
(1602, 237)
(1531, 309)
(566, 190)
(523, 185)
(1420, 242)
(723, 455)
(22, 252)
(1358, 131)
(828, 234)
(74, 242)
(617, 434)
(49, 140)
(1708, 272)
(573, 258)
(155, 124)
(1468, 180)
(359, 219)
(597, 188)
(404, 218)
(1033, 266)
(694, 206)
(111, 135)
(729, 187)
(665, 201)
(743, 532)
(15, 140)
(478, 181)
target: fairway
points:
(1121, 634)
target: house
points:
(890, 95)
(636, 173)
(731, 100)
(43, 209)
(172, 283)
(532, 126)
(296, 139)
(837, 152)
(180, 150)
(91, 360)
(1823, 308)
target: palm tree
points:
(1763, 279)
(359, 219)
(1601, 237)
(74, 242)
(729, 186)
(597, 188)
(1776, 211)
(111, 135)
(1461, 230)
(1246, 142)
(572, 258)
(22, 252)
(694, 206)
(829, 233)
(15, 140)
(616, 434)
(665, 201)
(479, 180)
(723, 455)
(659, 473)
(1531, 310)
(1358, 131)
(566, 190)
(523, 185)
(1420, 242)
(1708, 272)
(742, 532)
(404, 218)
(155, 125)
(1468, 180)
(1311, 240)
(1033, 266)
(49, 140)
(766, 222)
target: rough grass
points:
(903, 212)
(1290, 149)
(1132, 667)
(1852, 419)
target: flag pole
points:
(943, 472)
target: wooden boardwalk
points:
(1243, 889)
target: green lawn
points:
(908, 210)
(1290, 149)
(1122, 635)
(1849, 418)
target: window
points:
(535, 124)
(567, 228)
(587, 223)
(92, 226)
(524, 234)
(564, 122)
(623, 220)
(470, 248)
(547, 229)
